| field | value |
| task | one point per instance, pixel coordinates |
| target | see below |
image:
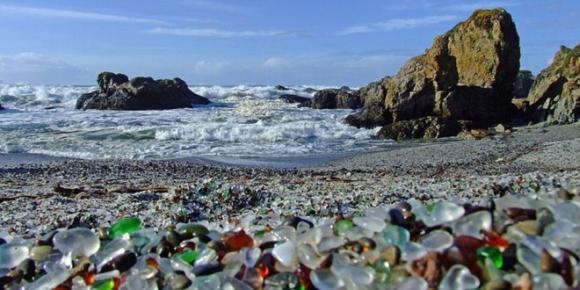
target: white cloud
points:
(214, 5)
(73, 14)
(276, 63)
(356, 30)
(380, 60)
(409, 23)
(37, 68)
(479, 5)
(211, 67)
(397, 24)
(210, 32)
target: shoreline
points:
(43, 195)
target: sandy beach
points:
(41, 193)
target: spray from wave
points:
(241, 121)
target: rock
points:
(292, 99)
(555, 94)
(1, 108)
(425, 128)
(117, 92)
(281, 88)
(335, 99)
(473, 134)
(523, 84)
(310, 90)
(500, 128)
(369, 117)
(468, 74)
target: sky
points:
(268, 42)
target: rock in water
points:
(468, 74)
(555, 94)
(335, 99)
(1, 108)
(291, 99)
(117, 92)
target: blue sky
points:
(328, 42)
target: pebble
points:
(77, 242)
(12, 254)
(349, 252)
(370, 223)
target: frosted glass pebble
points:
(77, 242)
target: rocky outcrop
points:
(555, 94)
(335, 99)
(295, 99)
(467, 74)
(421, 128)
(281, 88)
(117, 92)
(523, 84)
(369, 117)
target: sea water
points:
(241, 121)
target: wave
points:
(244, 121)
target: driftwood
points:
(82, 191)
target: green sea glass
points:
(124, 226)
(104, 285)
(342, 226)
(491, 253)
(188, 256)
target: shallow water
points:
(241, 121)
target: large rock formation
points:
(555, 94)
(117, 92)
(467, 74)
(523, 84)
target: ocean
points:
(242, 121)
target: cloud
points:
(356, 30)
(209, 5)
(398, 24)
(211, 67)
(210, 32)
(34, 67)
(73, 14)
(276, 63)
(479, 5)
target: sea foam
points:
(241, 121)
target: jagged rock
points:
(369, 117)
(281, 88)
(117, 92)
(555, 94)
(425, 128)
(335, 99)
(467, 74)
(523, 84)
(374, 93)
(292, 99)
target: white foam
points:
(248, 121)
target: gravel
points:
(38, 196)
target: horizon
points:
(243, 43)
